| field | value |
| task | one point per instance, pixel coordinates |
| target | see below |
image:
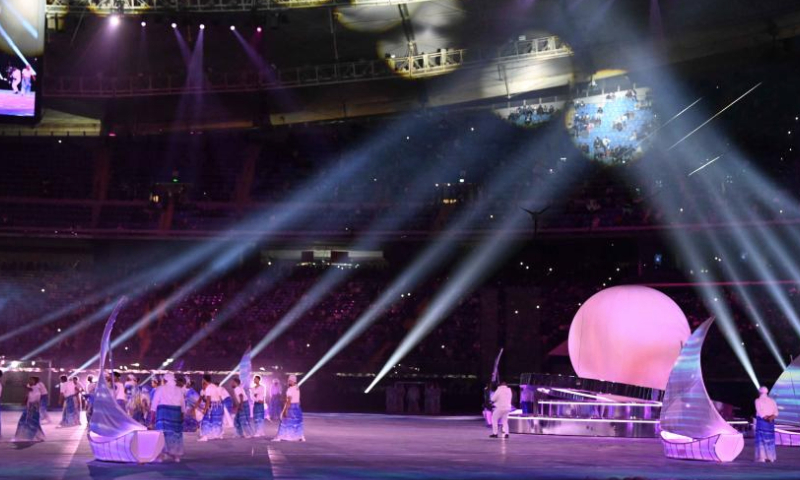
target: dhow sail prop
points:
(691, 428)
(786, 393)
(113, 435)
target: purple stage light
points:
(144, 24)
(258, 29)
(113, 20)
(202, 26)
(174, 25)
(233, 28)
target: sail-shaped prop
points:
(113, 435)
(786, 393)
(691, 428)
(496, 370)
(246, 371)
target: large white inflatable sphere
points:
(629, 334)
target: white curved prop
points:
(691, 428)
(113, 435)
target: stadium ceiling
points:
(139, 7)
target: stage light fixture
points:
(233, 28)
(144, 24)
(174, 25)
(202, 26)
(258, 29)
(113, 20)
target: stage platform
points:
(351, 446)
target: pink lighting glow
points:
(113, 20)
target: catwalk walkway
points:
(345, 446)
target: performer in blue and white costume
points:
(291, 427)
(169, 406)
(43, 402)
(211, 425)
(29, 429)
(71, 413)
(190, 423)
(241, 421)
(766, 412)
(259, 393)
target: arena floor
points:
(16, 105)
(350, 446)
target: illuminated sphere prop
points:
(628, 334)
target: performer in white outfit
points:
(211, 427)
(501, 398)
(71, 413)
(766, 413)
(169, 406)
(259, 393)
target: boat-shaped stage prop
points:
(113, 435)
(786, 393)
(691, 428)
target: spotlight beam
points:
(468, 275)
(237, 304)
(714, 116)
(710, 295)
(752, 313)
(332, 278)
(278, 217)
(424, 265)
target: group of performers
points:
(171, 404)
(20, 80)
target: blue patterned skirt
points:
(190, 422)
(71, 416)
(258, 419)
(211, 426)
(765, 441)
(291, 429)
(169, 419)
(29, 429)
(242, 421)
(275, 407)
(43, 408)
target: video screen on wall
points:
(22, 30)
